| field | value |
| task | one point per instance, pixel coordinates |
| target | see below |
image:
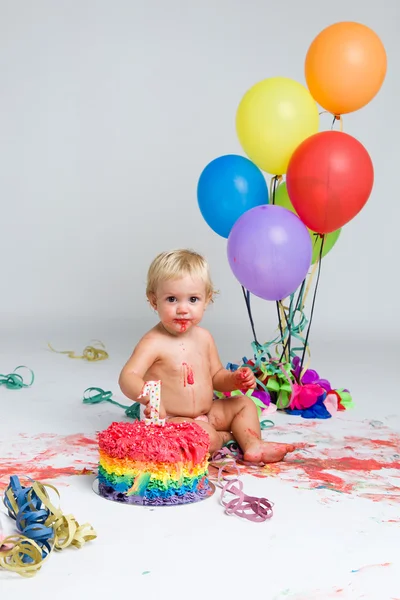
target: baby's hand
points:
(245, 379)
(146, 401)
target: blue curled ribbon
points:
(26, 508)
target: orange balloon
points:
(345, 67)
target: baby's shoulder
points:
(153, 336)
(203, 335)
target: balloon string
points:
(275, 181)
(286, 348)
(246, 296)
(300, 305)
(335, 118)
(313, 302)
(286, 316)
(279, 319)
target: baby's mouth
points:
(182, 323)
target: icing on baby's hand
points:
(244, 379)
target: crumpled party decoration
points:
(298, 393)
(317, 411)
(261, 398)
(41, 525)
(272, 378)
(345, 399)
(304, 396)
(309, 376)
(280, 383)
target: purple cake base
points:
(189, 498)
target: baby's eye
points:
(194, 299)
(171, 299)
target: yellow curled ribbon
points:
(90, 353)
(23, 555)
(16, 549)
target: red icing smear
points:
(318, 475)
(37, 473)
(183, 323)
(188, 375)
(253, 433)
(174, 442)
(34, 466)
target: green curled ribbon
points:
(259, 404)
(99, 395)
(279, 382)
(266, 424)
(15, 381)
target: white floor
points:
(336, 524)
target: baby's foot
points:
(267, 452)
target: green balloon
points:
(282, 199)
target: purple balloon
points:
(269, 251)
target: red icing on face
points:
(171, 443)
(188, 376)
(183, 324)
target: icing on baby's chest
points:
(187, 361)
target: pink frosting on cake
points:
(171, 443)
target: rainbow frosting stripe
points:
(148, 464)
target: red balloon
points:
(329, 180)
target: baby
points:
(184, 357)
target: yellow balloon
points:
(273, 118)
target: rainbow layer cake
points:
(152, 464)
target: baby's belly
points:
(185, 396)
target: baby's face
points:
(180, 303)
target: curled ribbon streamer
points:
(100, 395)
(287, 317)
(266, 424)
(3, 545)
(90, 353)
(17, 549)
(15, 381)
(247, 507)
(43, 527)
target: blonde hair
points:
(174, 264)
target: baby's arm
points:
(228, 381)
(143, 357)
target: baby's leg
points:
(239, 414)
(217, 438)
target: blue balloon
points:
(228, 187)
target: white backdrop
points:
(109, 112)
